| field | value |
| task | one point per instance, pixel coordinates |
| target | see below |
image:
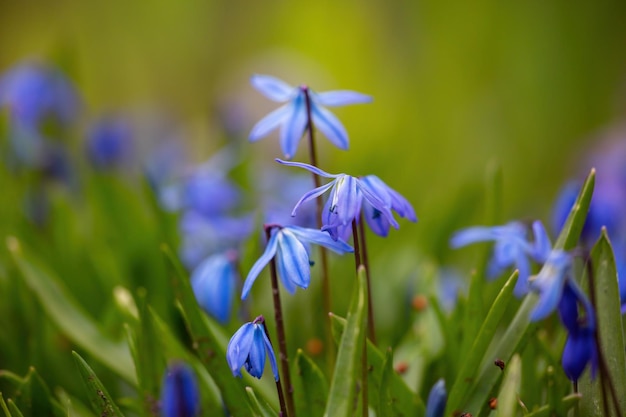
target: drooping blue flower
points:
(214, 282)
(248, 348)
(436, 404)
(292, 118)
(289, 245)
(511, 247)
(579, 350)
(109, 142)
(180, 396)
(344, 203)
(374, 218)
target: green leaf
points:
(347, 387)
(260, 407)
(311, 387)
(209, 350)
(99, 397)
(395, 399)
(466, 379)
(547, 411)
(518, 331)
(15, 412)
(405, 401)
(606, 299)
(3, 406)
(69, 317)
(509, 392)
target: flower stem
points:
(280, 330)
(365, 262)
(330, 353)
(279, 387)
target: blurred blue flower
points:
(32, 91)
(213, 283)
(344, 203)
(109, 142)
(248, 348)
(180, 396)
(511, 248)
(289, 245)
(293, 116)
(436, 404)
(557, 289)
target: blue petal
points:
(523, 266)
(346, 199)
(270, 251)
(270, 122)
(293, 127)
(378, 204)
(436, 404)
(270, 352)
(330, 126)
(320, 238)
(292, 261)
(180, 396)
(238, 348)
(213, 283)
(308, 167)
(273, 88)
(375, 220)
(542, 245)
(579, 350)
(472, 235)
(256, 356)
(314, 193)
(341, 98)
(568, 309)
(550, 282)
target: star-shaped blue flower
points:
(213, 283)
(180, 396)
(347, 194)
(512, 247)
(293, 116)
(248, 348)
(289, 245)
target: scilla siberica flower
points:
(511, 248)
(436, 405)
(180, 396)
(557, 289)
(289, 245)
(293, 116)
(213, 283)
(109, 142)
(344, 203)
(248, 348)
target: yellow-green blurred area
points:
(456, 85)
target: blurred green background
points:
(456, 84)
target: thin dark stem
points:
(365, 261)
(357, 246)
(280, 330)
(605, 375)
(330, 353)
(279, 387)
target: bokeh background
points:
(460, 89)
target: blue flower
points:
(557, 289)
(179, 393)
(248, 348)
(511, 248)
(289, 245)
(213, 283)
(374, 218)
(293, 116)
(437, 398)
(344, 203)
(109, 142)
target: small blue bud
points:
(437, 398)
(179, 393)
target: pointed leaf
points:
(260, 407)
(99, 397)
(311, 387)
(605, 294)
(509, 392)
(347, 383)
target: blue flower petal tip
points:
(180, 396)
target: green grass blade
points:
(608, 315)
(467, 378)
(311, 387)
(4, 407)
(261, 408)
(100, 400)
(547, 411)
(69, 317)
(343, 398)
(15, 411)
(509, 392)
